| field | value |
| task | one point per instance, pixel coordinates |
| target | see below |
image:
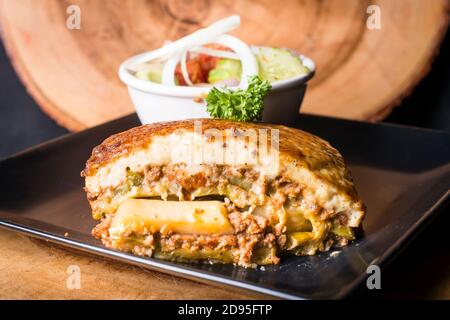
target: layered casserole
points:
(214, 191)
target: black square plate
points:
(402, 174)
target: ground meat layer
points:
(256, 209)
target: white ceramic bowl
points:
(156, 102)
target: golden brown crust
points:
(297, 147)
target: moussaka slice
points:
(220, 191)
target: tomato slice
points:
(198, 67)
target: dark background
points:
(421, 271)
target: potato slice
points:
(140, 216)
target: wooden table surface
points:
(36, 269)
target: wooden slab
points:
(35, 269)
(361, 74)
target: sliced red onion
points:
(195, 39)
(184, 70)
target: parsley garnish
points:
(239, 105)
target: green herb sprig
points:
(239, 105)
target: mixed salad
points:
(218, 65)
